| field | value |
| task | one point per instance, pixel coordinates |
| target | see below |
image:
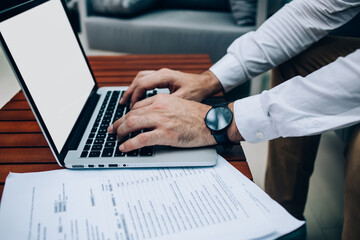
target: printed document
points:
(159, 203)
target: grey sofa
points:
(166, 30)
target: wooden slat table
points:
(23, 147)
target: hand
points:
(183, 85)
(172, 121)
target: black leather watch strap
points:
(221, 137)
(223, 140)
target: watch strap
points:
(221, 137)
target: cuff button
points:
(259, 135)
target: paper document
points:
(160, 203)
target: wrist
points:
(233, 132)
(211, 82)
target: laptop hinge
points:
(80, 128)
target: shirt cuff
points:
(229, 72)
(252, 121)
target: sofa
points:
(167, 28)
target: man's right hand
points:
(184, 85)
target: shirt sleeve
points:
(326, 99)
(288, 32)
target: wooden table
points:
(23, 147)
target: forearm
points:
(211, 84)
(327, 99)
(288, 32)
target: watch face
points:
(218, 118)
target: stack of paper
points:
(163, 203)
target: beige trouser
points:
(291, 160)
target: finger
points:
(133, 85)
(125, 97)
(143, 103)
(156, 80)
(135, 123)
(113, 127)
(137, 95)
(142, 140)
(129, 92)
(148, 82)
(179, 94)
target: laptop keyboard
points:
(102, 144)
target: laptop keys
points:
(107, 152)
(111, 138)
(101, 135)
(96, 147)
(118, 153)
(133, 153)
(147, 151)
(94, 154)
(107, 120)
(84, 154)
(110, 144)
(99, 142)
(102, 131)
(104, 126)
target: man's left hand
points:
(170, 121)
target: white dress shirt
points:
(329, 98)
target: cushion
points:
(166, 31)
(214, 5)
(244, 11)
(121, 8)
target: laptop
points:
(73, 113)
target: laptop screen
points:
(47, 54)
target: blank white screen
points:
(51, 63)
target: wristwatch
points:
(218, 120)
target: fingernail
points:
(110, 128)
(122, 147)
